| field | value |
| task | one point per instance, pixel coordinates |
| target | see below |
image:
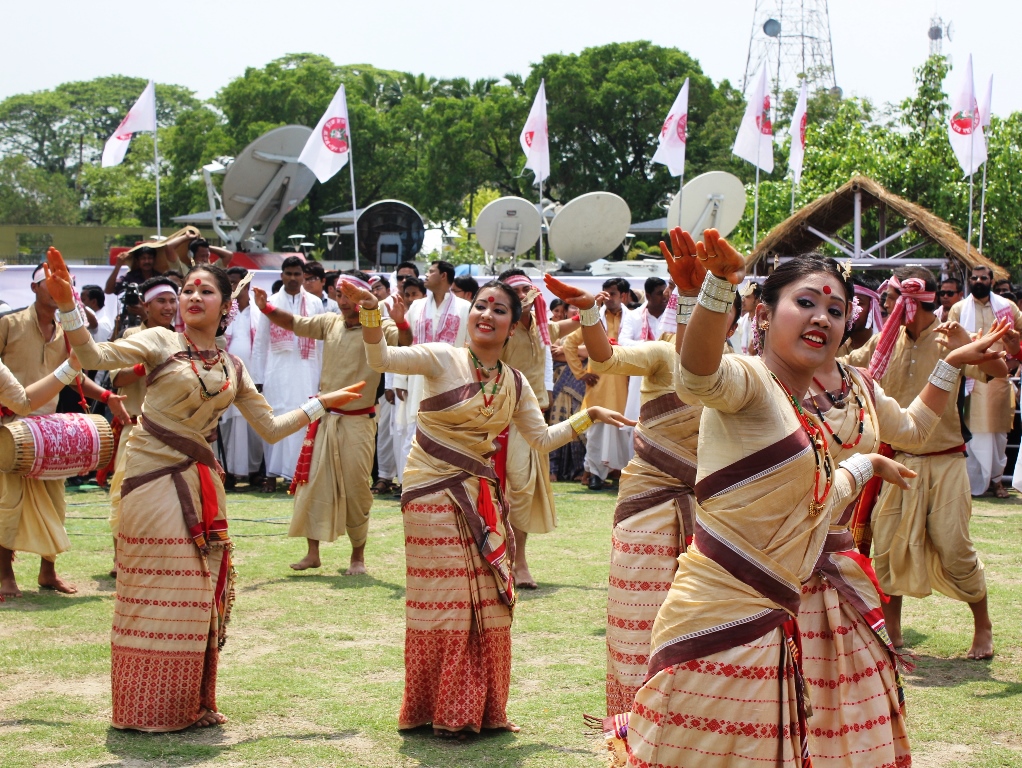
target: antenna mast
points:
(792, 38)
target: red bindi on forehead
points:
(197, 281)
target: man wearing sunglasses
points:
(950, 294)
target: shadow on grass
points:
(334, 581)
(47, 601)
(500, 748)
(934, 672)
(546, 589)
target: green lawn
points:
(312, 671)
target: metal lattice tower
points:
(792, 37)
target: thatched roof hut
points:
(833, 211)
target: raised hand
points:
(398, 310)
(607, 416)
(259, 297)
(720, 257)
(569, 294)
(978, 352)
(687, 272)
(58, 280)
(340, 397)
(356, 295)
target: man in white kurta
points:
(286, 366)
(243, 448)
(441, 316)
(641, 325)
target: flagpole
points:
(972, 149)
(681, 192)
(156, 164)
(542, 220)
(794, 184)
(354, 205)
(983, 194)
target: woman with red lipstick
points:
(458, 543)
(725, 684)
(850, 663)
(175, 580)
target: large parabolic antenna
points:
(714, 200)
(390, 232)
(260, 187)
(588, 228)
(508, 227)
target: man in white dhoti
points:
(286, 366)
(441, 316)
(243, 448)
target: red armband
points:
(139, 369)
(105, 397)
(575, 319)
(268, 310)
(404, 325)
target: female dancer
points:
(175, 579)
(850, 664)
(653, 515)
(724, 686)
(458, 543)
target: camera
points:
(131, 296)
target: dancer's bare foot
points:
(208, 718)
(9, 588)
(982, 644)
(306, 562)
(508, 726)
(357, 566)
(523, 579)
(48, 579)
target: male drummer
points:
(32, 511)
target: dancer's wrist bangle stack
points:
(860, 467)
(65, 373)
(370, 318)
(717, 295)
(590, 316)
(685, 306)
(580, 421)
(71, 321)
(944, 376)
(314, 409)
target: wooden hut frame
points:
(820, 221)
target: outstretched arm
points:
(594, 334)
(687, 274)
(276, 316)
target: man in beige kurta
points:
(607, 448)
(337, 496)
(990, 407)
(921, 536)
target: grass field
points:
(312, 672)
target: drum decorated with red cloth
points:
(56, 446)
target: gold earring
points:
(765, 326)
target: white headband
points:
(156, 290)
(355, 281)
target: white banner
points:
(141, 117)
(755, 140)
(535, 137)
(329, 146)
(671, 151)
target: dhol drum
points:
(56, 446)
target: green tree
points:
(30, 195)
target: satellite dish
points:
(713, 200)
(389, 232)
(772, 28)
(588, 228)
(265, 182)
(935, 32)
(508, 227)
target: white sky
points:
(203, 45)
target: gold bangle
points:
(370, 318)
(580, 421)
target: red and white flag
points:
(964, 128)
(671, 151)
(797, 130)
(329, 146)
(755, 140)
(535, 137)
(141, 117)
(984, 108)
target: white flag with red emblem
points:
(671, 151)
(141, 117)
(797, 130)
(327, 149)
(755, 141)
(534, 138)
(984, 108)
(964, 129)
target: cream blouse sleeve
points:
(734, 386)
(12, 394)
(151, 347)
(257, 412)
(528, 418)
(903, 426)
(422, 359)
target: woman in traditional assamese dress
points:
(849, 661)
(725, 684)
(175, 580)
(458, 543)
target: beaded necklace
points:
(819, 443)
(487, 407)
(208, 365)
(858, 403)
